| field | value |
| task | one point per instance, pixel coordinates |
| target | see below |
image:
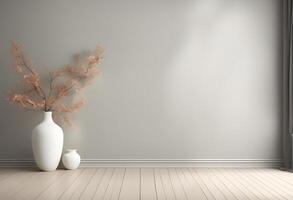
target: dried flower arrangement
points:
(62, 95)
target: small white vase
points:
(47, 142)
(71, 159)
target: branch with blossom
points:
(62, 94)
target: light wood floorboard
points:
(131, 185)
(146, 184)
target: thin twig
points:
(39, 89)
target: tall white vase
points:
(47, 142)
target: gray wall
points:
(180, 79)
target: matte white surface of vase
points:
(47, 142)
(71, 159)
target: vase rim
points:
(71, 150)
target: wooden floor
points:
(146, 184)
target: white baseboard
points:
(181, 163)
(237, 163)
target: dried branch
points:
(64, 84)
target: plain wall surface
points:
(180, 79)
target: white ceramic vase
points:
(71, 159)
(47, 142)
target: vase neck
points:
(48, 117)
(71, 150)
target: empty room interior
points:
(146, 99)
